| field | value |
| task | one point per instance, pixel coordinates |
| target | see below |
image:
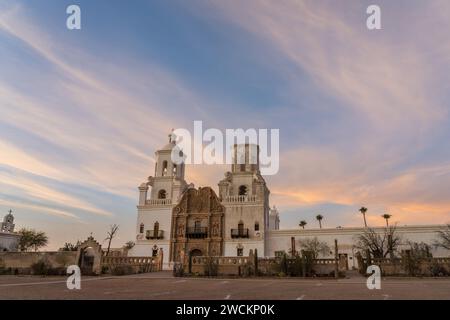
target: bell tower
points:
(168, 182)
(8, 223)
(157, 197)
(245, 196)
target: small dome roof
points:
(171, 144)
(168, 147)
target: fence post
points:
(256, 262)
(190, 263)
(336, 259)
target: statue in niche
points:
(181, 230)
(215, 229)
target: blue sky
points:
(363, 115)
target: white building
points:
(280, 241)
(9, 240)
(245, 196)
(155, 208)
(248, 222)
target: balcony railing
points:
(197, 232)
(152, 234)
(158, 202)
(240, 199)
(239, 233)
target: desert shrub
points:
(178, 270)
(413, 259)
(121, 270)
(295, 268)
(284, 264)
(42, 267)
(211, 267)
(437, 270)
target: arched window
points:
(162, 194)
(164, 168)
(243, 190)
(240, 226)
(257, 226)
(240, 252)
(156, 228)
(141, 228)
(174, 171)
(242, 167)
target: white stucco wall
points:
(9, 241)
(280, 240)
(148, 215)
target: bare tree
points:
(111, 233)
(443, 238)
(379, 244)
(314, 246)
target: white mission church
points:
(174, 217)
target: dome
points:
(168, 147)
(171, 144)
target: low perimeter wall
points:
(21, 262)
(403, 267)
(244, 266)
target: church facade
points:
(176, 219)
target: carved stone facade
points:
(197, 225)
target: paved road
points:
(162, 285)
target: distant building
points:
(9, 240)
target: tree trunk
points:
(109, 246)
(365, 222)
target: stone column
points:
(143, 188)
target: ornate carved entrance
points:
(197, 225)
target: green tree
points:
(319, 218)
(302, 224)
(129, 245)
(70, 246)
(363, 211)
(32, 239)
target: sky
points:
(363, 114)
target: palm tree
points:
(302, 224)
(363, 211)
(386, 217)
(319, 218)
